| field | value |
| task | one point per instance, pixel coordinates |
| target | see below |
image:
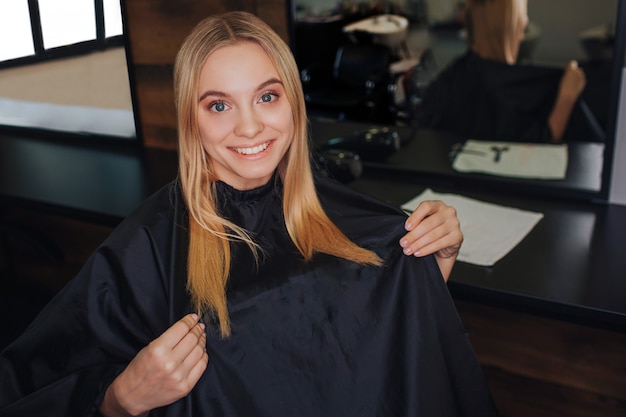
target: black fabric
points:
(482, 99)
(324, 338)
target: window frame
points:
(80, 48)
(101, 43)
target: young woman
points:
(249, 286)
(486, 94)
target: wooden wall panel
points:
(156, 29)
(538, 366)
(274, 12)
(44, 251)
(155, 96)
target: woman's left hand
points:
(434, 228)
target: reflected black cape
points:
(482, 99)
(324, 338)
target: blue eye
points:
(267, 97)
(218, 106)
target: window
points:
(40, 30)
(15, 24)
(64, 70)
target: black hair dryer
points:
(341, 165)
(373, 144)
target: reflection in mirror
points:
(501, 85)
(68, 75)
(557, 32)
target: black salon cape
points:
(324, 338)
(477, 98)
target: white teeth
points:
(254, 150)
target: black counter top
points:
(571, 266)
(429, 152)
(101, 184)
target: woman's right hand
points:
(164, 371)
(571, 87)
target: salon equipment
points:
(358, 85)
(339, 164)
(386, 29)
(373, 144)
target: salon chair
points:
(358, 86)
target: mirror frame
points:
(619, 62)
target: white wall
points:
(559, 45)
(87, 94)
(99, 79)
(617, 192)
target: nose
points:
(248, 124)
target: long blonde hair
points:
(496, 28)
(210, 235)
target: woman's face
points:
(244, 117)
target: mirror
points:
(588, 31)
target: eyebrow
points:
(261, 86)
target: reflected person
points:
(486, 94)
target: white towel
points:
(508, 159)
(489, 231)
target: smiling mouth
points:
(252, 150)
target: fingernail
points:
(195, 316)
(407, 251)
(403, 243)
(202, 325)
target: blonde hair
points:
(210, 235)
(496, 28)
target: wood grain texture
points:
(544, 367)
(45, 251)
